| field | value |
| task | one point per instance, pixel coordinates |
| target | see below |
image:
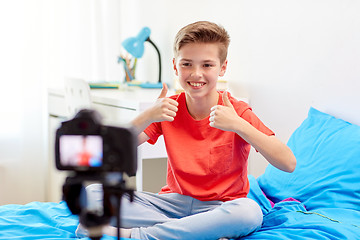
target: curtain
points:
(92, 40)
(42, 42)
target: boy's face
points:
(198, 68)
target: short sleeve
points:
(154, 131)
(249, 116)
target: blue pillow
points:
(327, 174)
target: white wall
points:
(285, 55)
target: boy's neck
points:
(199, 108)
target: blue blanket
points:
(291, 220)
(38, 220)
(286, 220)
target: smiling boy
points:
(208, 135)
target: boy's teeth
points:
(196, 84)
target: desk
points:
(118, 107)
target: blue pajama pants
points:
(176, 216)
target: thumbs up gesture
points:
(224, 117)
(164, 108)
(164, 91)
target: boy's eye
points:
(207, 65)
(186, 64)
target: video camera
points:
(83, 144)
(94, 153)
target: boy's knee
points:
(94, 188)
(254, 215)
(244, 212)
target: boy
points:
(208, 136)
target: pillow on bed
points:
(327, 174)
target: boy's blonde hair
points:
(203, 32)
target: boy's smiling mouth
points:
(196, 84)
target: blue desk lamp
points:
(135, 46)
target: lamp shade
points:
(135, 45)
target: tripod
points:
(95, 216)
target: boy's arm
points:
(142, 137)
(164, 109)
(274, 151)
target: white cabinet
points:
(118, 107)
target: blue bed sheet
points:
(284, 220)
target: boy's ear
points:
(175, 68)
(223, 68)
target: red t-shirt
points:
(204, 162)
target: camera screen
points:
(81, 151)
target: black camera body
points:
(83, 144)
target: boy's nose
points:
(196, 73)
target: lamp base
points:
(151, 85)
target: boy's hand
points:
(165, 108)
(224, 117)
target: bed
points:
(319, 200)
